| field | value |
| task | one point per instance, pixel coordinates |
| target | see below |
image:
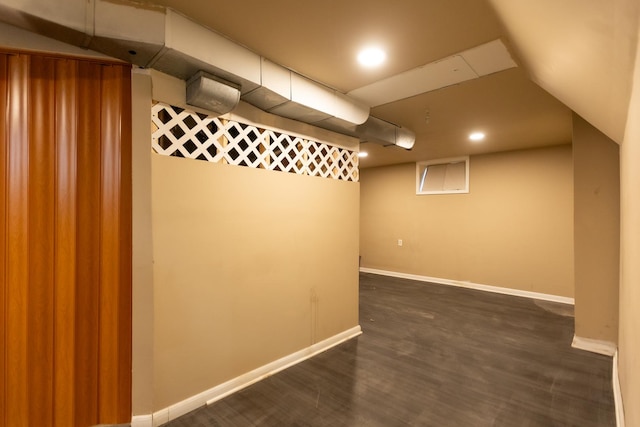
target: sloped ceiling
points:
(580, 51)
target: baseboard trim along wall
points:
(595, 346)
(471, 285)
(218, 392)
(617, 392)
(142, 421)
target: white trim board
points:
(471, 285)
(236, 384)
(595, 346)
(142, 421)
(617, 393)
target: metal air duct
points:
(218, 70)
(374, 130)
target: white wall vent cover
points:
(212, 93)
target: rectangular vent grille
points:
(183, 133)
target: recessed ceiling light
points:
(371, 57)
(363, 154)
(476, 136)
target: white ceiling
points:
(488, 58)
(449, 69)
(321, 40)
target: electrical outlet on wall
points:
(399, 242)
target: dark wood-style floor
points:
(434, 355)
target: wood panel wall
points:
(65, 245)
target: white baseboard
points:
(471, 285)
(617, 393)
(595, 346)
(142, 421)
(218, 392)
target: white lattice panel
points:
(183, 133)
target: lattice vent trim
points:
(183, 133)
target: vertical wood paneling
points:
(41, 107)
(114, 303)
(65, 244)
(65, 249)
(17, 255)
(109, 232)
(3, 240)
(88, 242)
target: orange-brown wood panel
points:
(3, 233)
(17, 234)
(41, 113)
(115, 293)
(65, 243)
(88, 244)
(65, 246)
(110, 260)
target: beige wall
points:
(233, 267)
(249, 266)
(629, 336)
(514, 229)
(596, 173)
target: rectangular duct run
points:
(470, 64)
(218, 71)
(212, 93)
